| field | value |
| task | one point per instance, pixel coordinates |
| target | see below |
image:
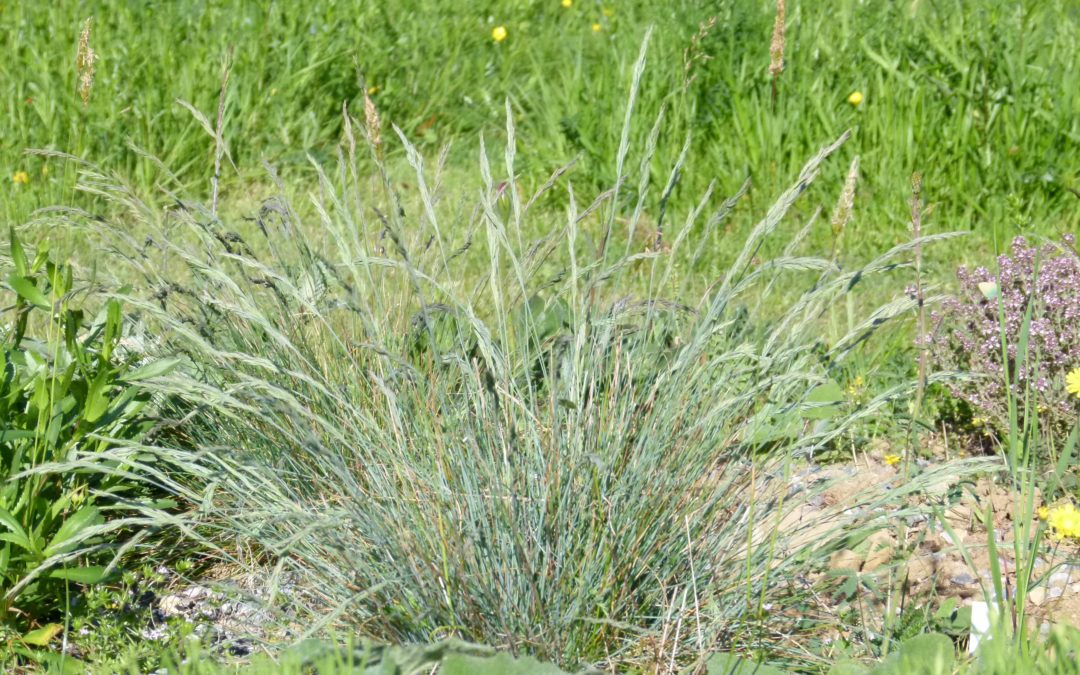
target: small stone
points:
(1037, 596)
(964, 579)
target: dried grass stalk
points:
(776, 47)
(84, 63)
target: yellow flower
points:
(1064, 521)
(1043, 513)
(568, 3)
(609, 12)
(373, 89)
(855, 387)
(21, 178)
(976, 421)
(856, 98)
(498, 33)
(1072, 382)
(596, 28)
(892, 460)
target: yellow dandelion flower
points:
(568, 3)
(498, 33)
(855, 98)
(1064, 521)
(1072, 382)
(20, 178)
(596, 28)
(892, 460)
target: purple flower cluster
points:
(967, 333)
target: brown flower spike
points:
(84, 63)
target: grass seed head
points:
(842, 213)
(84, 63)
(373, 124)
(776, 47)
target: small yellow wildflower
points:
(1043, 513)
(609, 12)
(596, 28)
(856, 98)
(498, 33)
(568, 3)
(855, 387)
(976, 421)
(1064, 521)
(20, 178)
(892, 460)
(373, 89)
(1072, 382)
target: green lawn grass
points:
(981, 97)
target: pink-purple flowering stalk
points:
(967, 334)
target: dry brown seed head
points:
(373, 124)
(844, 205)
(84, 63)
(776, 47)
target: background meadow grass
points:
(981, 97)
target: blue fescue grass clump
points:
(505, 425)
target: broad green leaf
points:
(54, 663)
(18, 256)
(153, 369)
(927, 654)
(733, 664)
(826, 399)
(63, 540)
(15, 434)
(848, 667)
(39, 637)
(96, 400)
(28, 290)
(500, 664)
(113, 325)
(17, 535)
(91, 574)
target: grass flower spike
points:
(84, 64)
